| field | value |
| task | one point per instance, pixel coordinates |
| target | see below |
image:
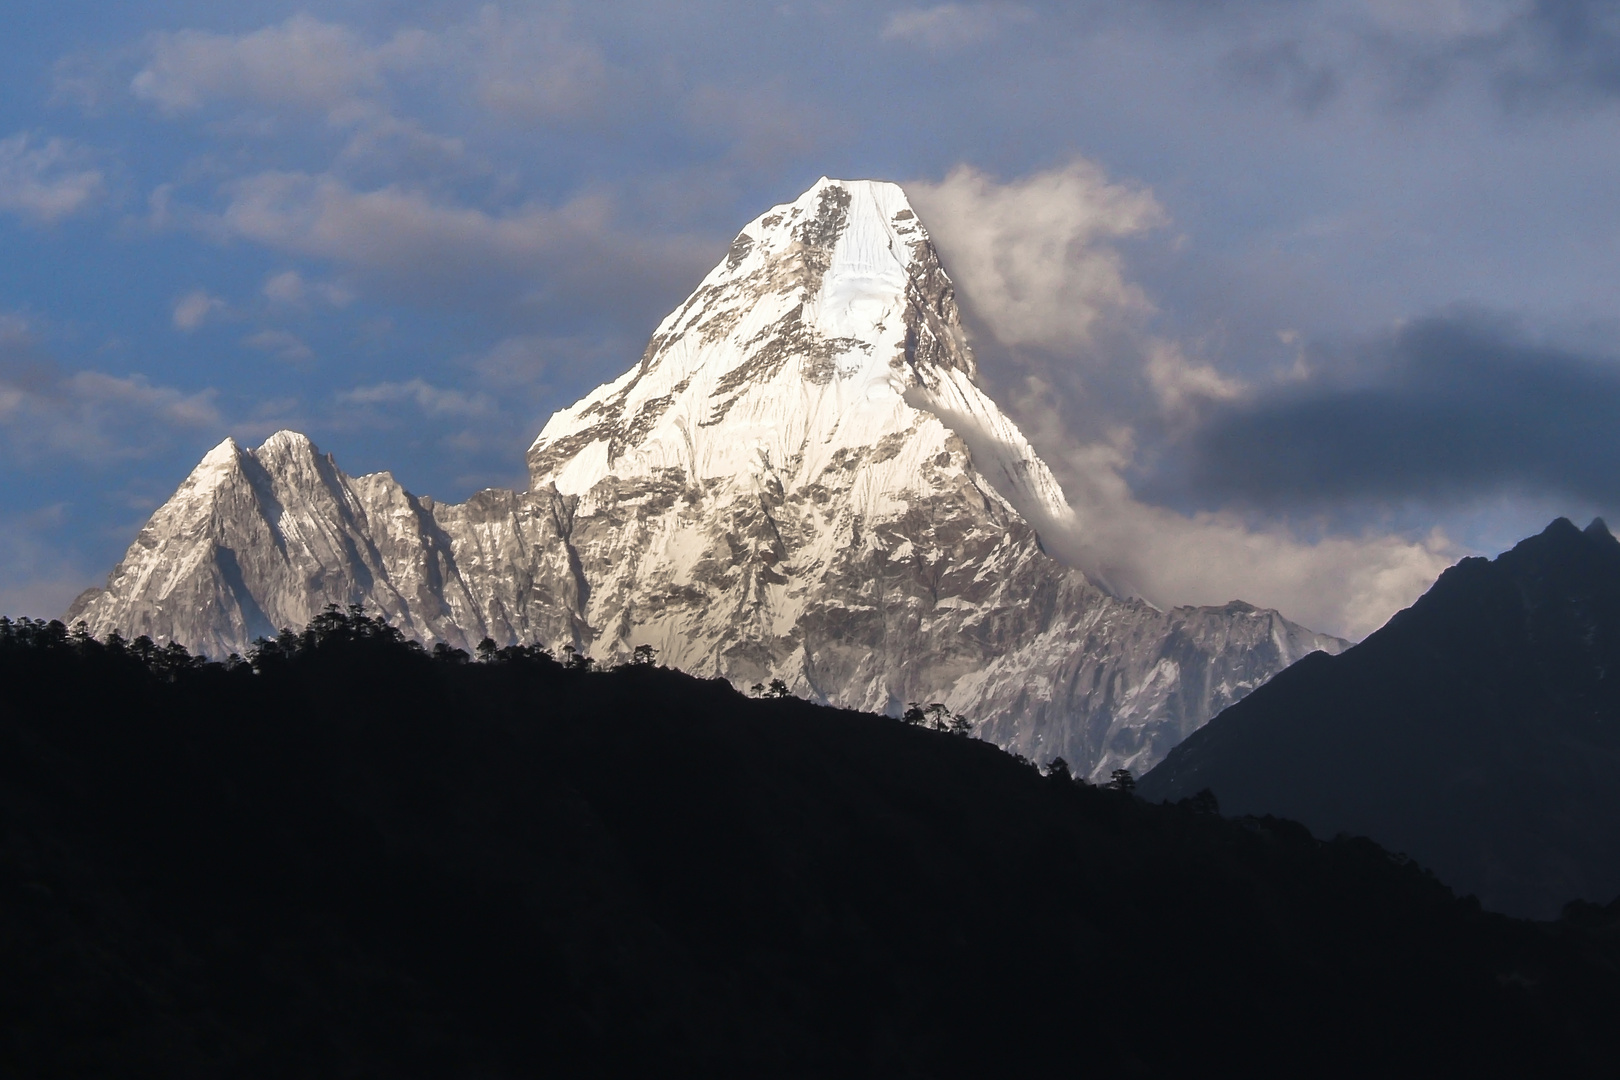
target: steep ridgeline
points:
(1478, 731)
(801, 479)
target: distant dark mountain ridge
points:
(351, 858)
(1478, 731)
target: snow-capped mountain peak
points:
(828, 328)
(800, 479)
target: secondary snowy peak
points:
(259, 539)
(830, 327)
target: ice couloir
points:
(800, 479)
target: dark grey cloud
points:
(1560, 48)
(1447, 408)
(1538, 54)
(1284, 67)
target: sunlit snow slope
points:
(801, 479)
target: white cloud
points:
(382, 140)
(280, 344)
(766, 123)
(1034, 256)
(286, 287)
(38, 588)
(1037, 262)
(302, 63)
(194, 308)
(532, 66)
(431, 400)
(36, 578)
(516, 361)
(1340, 585)
(15, 333)
(947, 27)
(398, 205)
(85, 415)
(423, 246)
(526, 65)
(1444, 19)
(1348, 586)
(393, 228)
(1181, 385)
(135, 395)
(291, 288)
(47, 180)
(308, 66)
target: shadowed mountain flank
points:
(1478, 731)
(352, 857)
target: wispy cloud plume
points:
(292, 289)
(282, 344)
(303, 63)
(949, 27)
(424, 245)
(531, 65)
(46, 180)
(1036, 256)
(37, 577)
(88, 416)
(194, 309)
(1038, 262)
(1346, 585)
(431, 400)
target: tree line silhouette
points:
(347, 855)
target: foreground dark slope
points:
(1479, 731)
(362, 861)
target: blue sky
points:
(1289, 293)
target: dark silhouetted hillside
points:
(354, 859)
(1478, 732)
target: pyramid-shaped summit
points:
(829, 328)
(800, 479)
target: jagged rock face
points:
(256, 540)
(801, 479)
